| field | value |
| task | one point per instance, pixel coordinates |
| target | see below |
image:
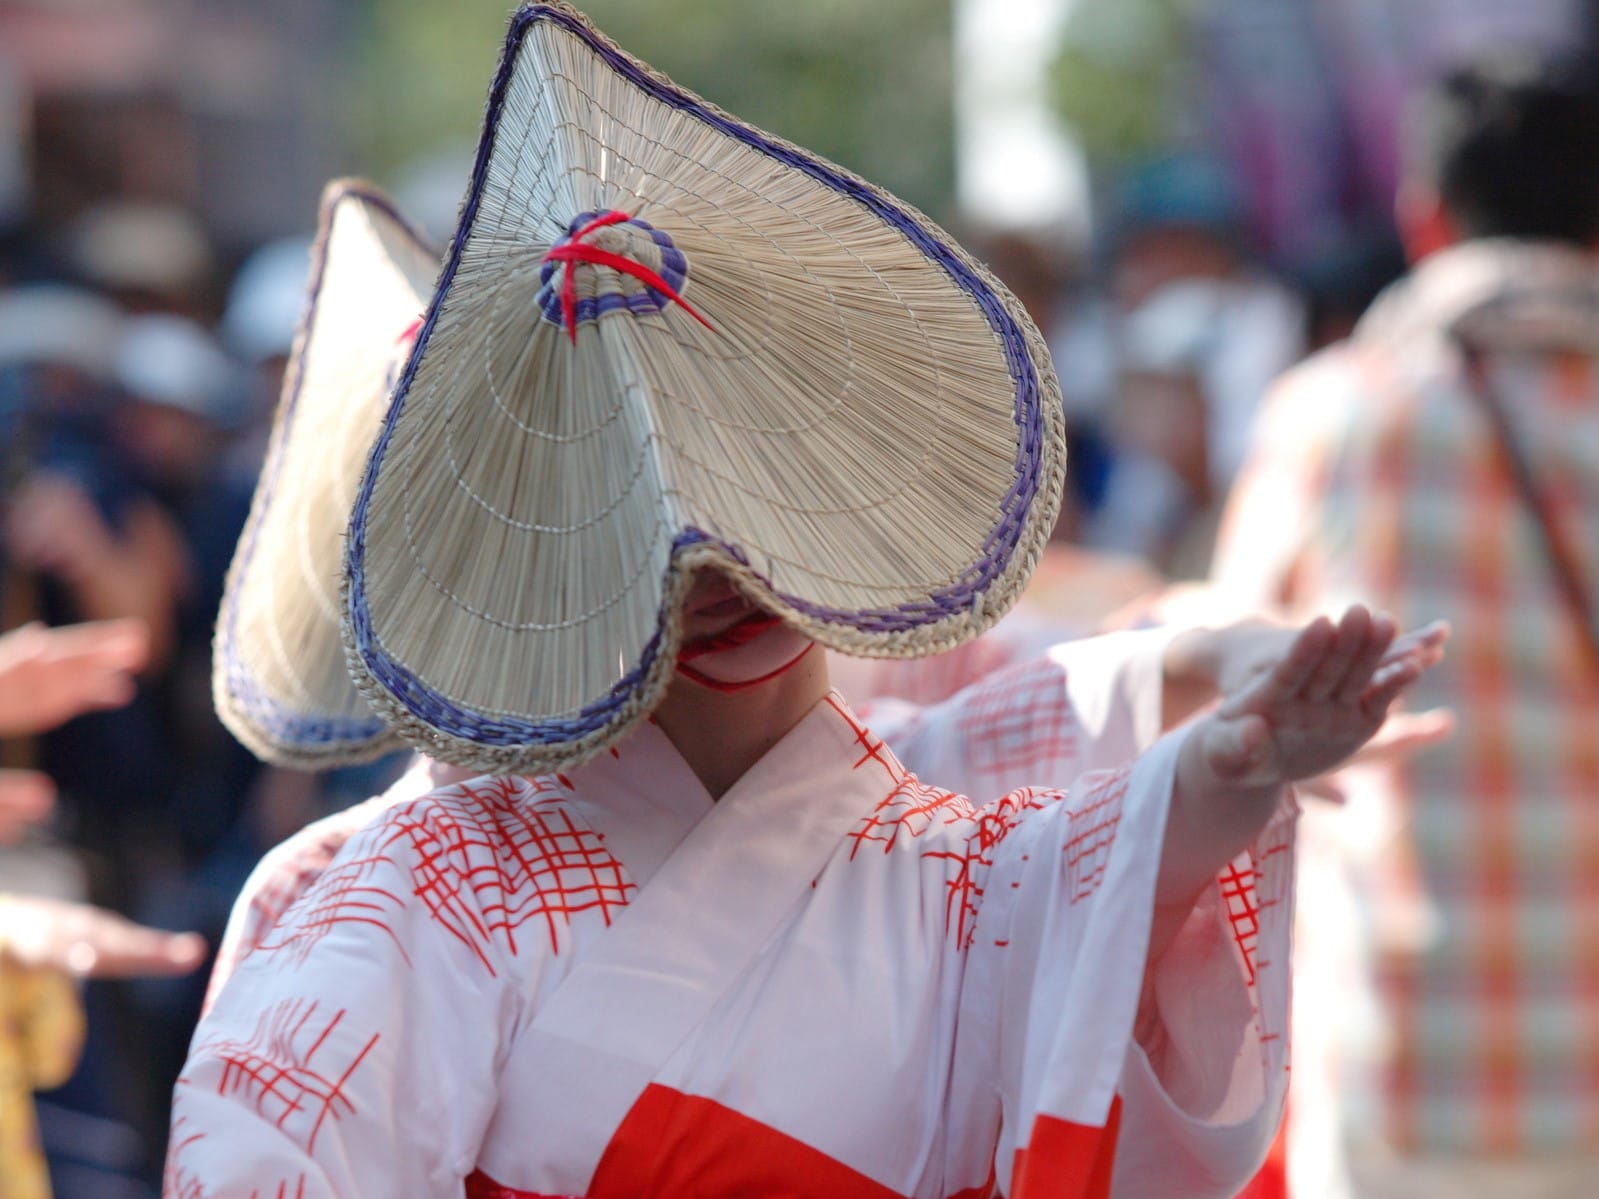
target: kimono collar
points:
(724, 890)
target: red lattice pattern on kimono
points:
(276, 889)
(298, 872)
(345, 893)
(873, 750)
(1087, 850)
(484, 860)
(990, 825)
(912, 809)
(489, 858)
(1242, 892)
(1093, 832)
(1243, 913)
(909, 810)
(309, 863)
(176, 1181)
(278, 1067)
(1018, 724)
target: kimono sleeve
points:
(355, 1051)
(1084, 705)
(1205, 1078)
(1053, 982)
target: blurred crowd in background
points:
(159, 166)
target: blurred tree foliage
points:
(1118, 78)
(864, 82)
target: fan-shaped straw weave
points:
(278, 674)
(664, 339)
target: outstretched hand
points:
(91, 942)
(1326, 697)
(26, 797)
(49, 675)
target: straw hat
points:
(278, 674)
(665, 340)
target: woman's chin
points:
(776, 649)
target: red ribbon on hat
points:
(575, 251)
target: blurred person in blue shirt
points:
(1195, 330)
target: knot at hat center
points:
(610, 261)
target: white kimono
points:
(834, 981)
(288, 870)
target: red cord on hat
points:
(575, 251)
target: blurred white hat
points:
(1232, 336)
(61, 325)
(267, 299)
(1175, 330)
(175, 363)
(154, 248)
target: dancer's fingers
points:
(1349, 635)
(1288, 676)
(1386, 685)
(1367, 658)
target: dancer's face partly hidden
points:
(728, 642)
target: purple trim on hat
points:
(438, 711)
(289, 728)
(284, 723)
(441, 713)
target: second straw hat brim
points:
(280, 683)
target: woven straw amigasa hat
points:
(278, 674)
(665, 340)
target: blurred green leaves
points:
(864, 82)
(1118, 74)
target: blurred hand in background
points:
(50, 675)
(141, 571)
(26, 798)
(90, 942)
